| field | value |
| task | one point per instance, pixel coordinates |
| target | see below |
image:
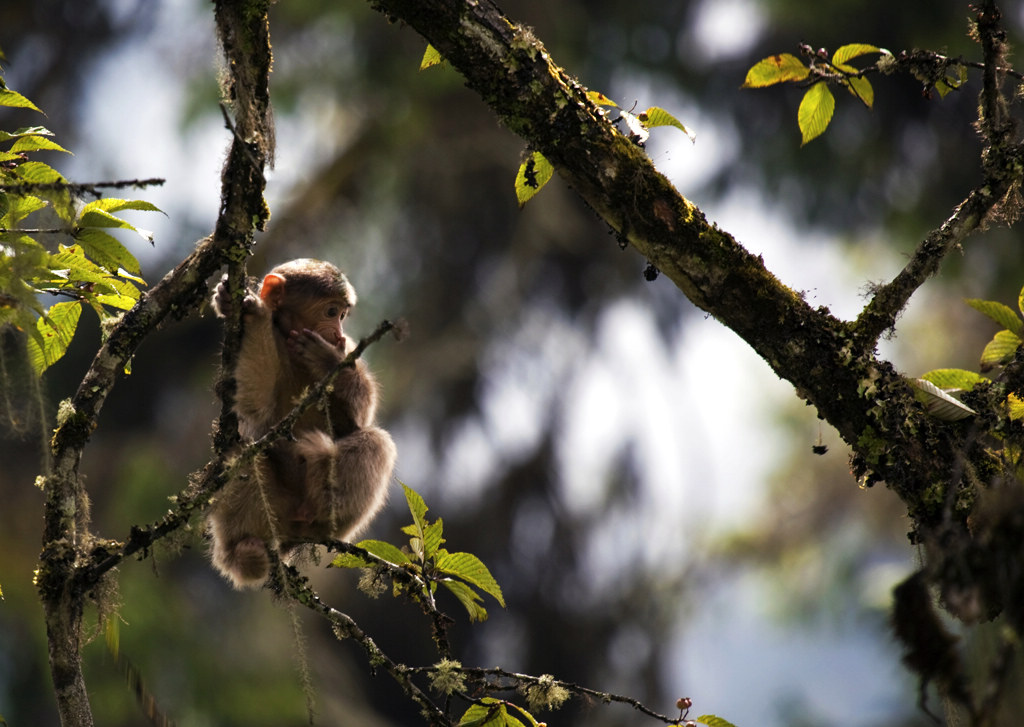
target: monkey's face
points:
(323, 316)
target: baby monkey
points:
(331, 479)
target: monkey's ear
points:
(272, 290)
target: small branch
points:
(511, 681)
(81, 187)
(888, 301)
(298, 588)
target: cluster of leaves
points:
(950, 383)
(86, 266)
(429, 563)
(818, 103)
(536, 170)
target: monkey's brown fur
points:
(332, 479)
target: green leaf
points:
(36, 143)
(775, 69)
(108, 252)
(941, 404)
(1001, 314)
(471, 569)
(469, 598)
(490, 712)
(431, 57)
(859, 87)
(432, 538)
(16, 100)
(1000, 349)
(600, 99)
(656, 116)
(712, 721)
(25, 131)
(38, 173)
(533, 174)
(112, 204)
(815, 111)
(846, 53)
(953, 378)
(417, 507)
(385, 551)
(18, 208)
(54, 333)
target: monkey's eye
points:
(336, 311)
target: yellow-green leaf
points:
(431, 57)
(953, 378)
(1016, 407)
(1002, 314)
(533, 174)
(15, 100)
(712, 721)
(600, 99)
(656, 116)
(999, 350)
(469, 598)
(846, 53)
(471, 569)
(775, 69)
(53, 334)
(815, 111)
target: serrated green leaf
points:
(657, 116)
(941, 404)
(16, 100)
(106, 250)
(846, 53)
(431, 57)
(600, 99)
(533, 174)
(18, 208)
(1000, 313)
(384, 550)
(101, 218)
(775, 69)
(432, 538)
(417, 507)
(1000, 349)
(490, 712)
(815, 111)
(469, 598)
(38, 173)
(471, 569)
(712, 721)
(953, 378)
(861, 88)
(54, 332)
(112, 204)
(25, 131)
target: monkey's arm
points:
(354, 401)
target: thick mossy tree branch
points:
(809, 347)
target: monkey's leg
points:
(242, 522)
(346, 480)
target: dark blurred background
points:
(640, 484)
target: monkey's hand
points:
(317, 354)
(224, 304)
